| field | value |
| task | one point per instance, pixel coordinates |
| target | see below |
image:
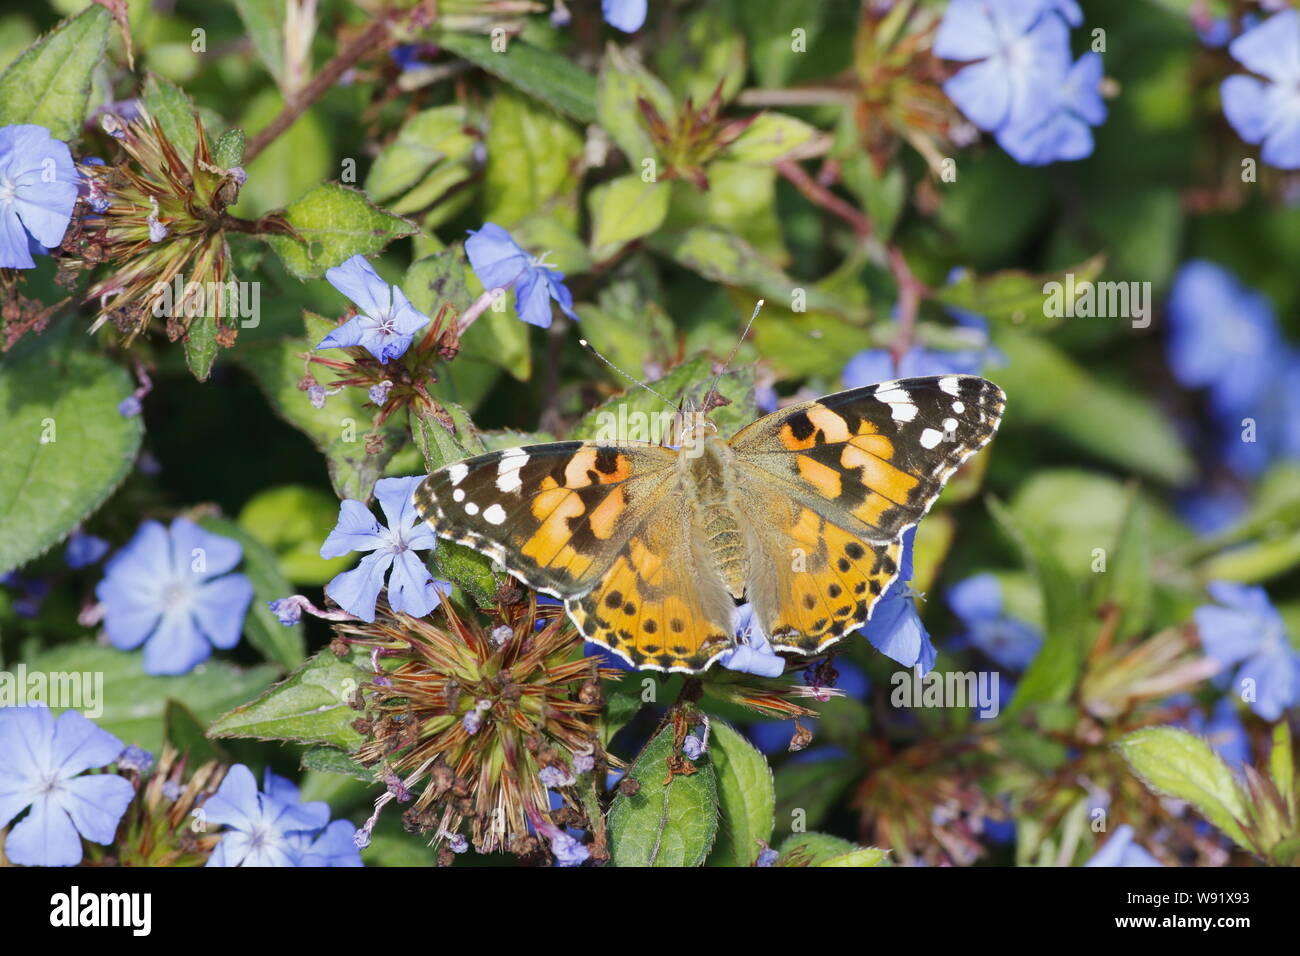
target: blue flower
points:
(1268, 112)
(1222, 336)
(333, 846)
(872, 366)
(1066, 133)
(1023, 53)
(1248, 630)
(41, 762)
(895, 627)
(977, 601)
(500, 263)
(387, 322)
(265, 829)
(411, 588)
(752, 653)
(84, 550)
(1120, 850)
(38, 190)
(625, 15)
(170, 591)
(1210, 510)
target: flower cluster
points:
(473, 724)
(1022, 83)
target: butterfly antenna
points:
(631, 378)
(736, 348)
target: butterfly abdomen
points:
(717, 515)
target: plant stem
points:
(345, 59)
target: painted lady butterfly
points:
(652, 548)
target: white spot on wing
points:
(458, 494)
(512, 460)
(472, 509)
(495, 514)
(899, 401)
(930, 438)
(950, 384)
(959, 407)
(457, 472)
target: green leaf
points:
(624, 209)
(1178, 764)
(66, 446)
(1127, 582)
(807, 792)
(621, 83)
(688, 380)
(132, 703)
(49, 85)
(533, 162)
(291, 520)
(201, 346)
(1017, 297)
(278, 366)
(312, 705)
(466, 567)
(278, 643)
(720, 256)
(822, 849)
(770, 137)
(1085, 409)
(335, 223)
(186, 733)
(168, 104)
(428, 138)
(746, 797)
(1055, 670)
(1281, 764)
(669, 823)
(229, 148)
(262, 19)
(707, 51)
(333, 760)
(542, 74)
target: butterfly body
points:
(653, 548)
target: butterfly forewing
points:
(842, 478)
(553, 515)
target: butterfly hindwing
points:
(662, 604)
(554, 515)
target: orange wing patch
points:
(656, 613)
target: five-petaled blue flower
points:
(895, 628)
(266, 829)
(1248, 630)
(411, 588)
(1268, 111)
(978, 602)
(752, 653)
(38, 189)
(169, 590)
(41, 766)
(387, 322)
(1020, 84)
(333, 846)
(625, 15)
(1120, 850)
(499, 262)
